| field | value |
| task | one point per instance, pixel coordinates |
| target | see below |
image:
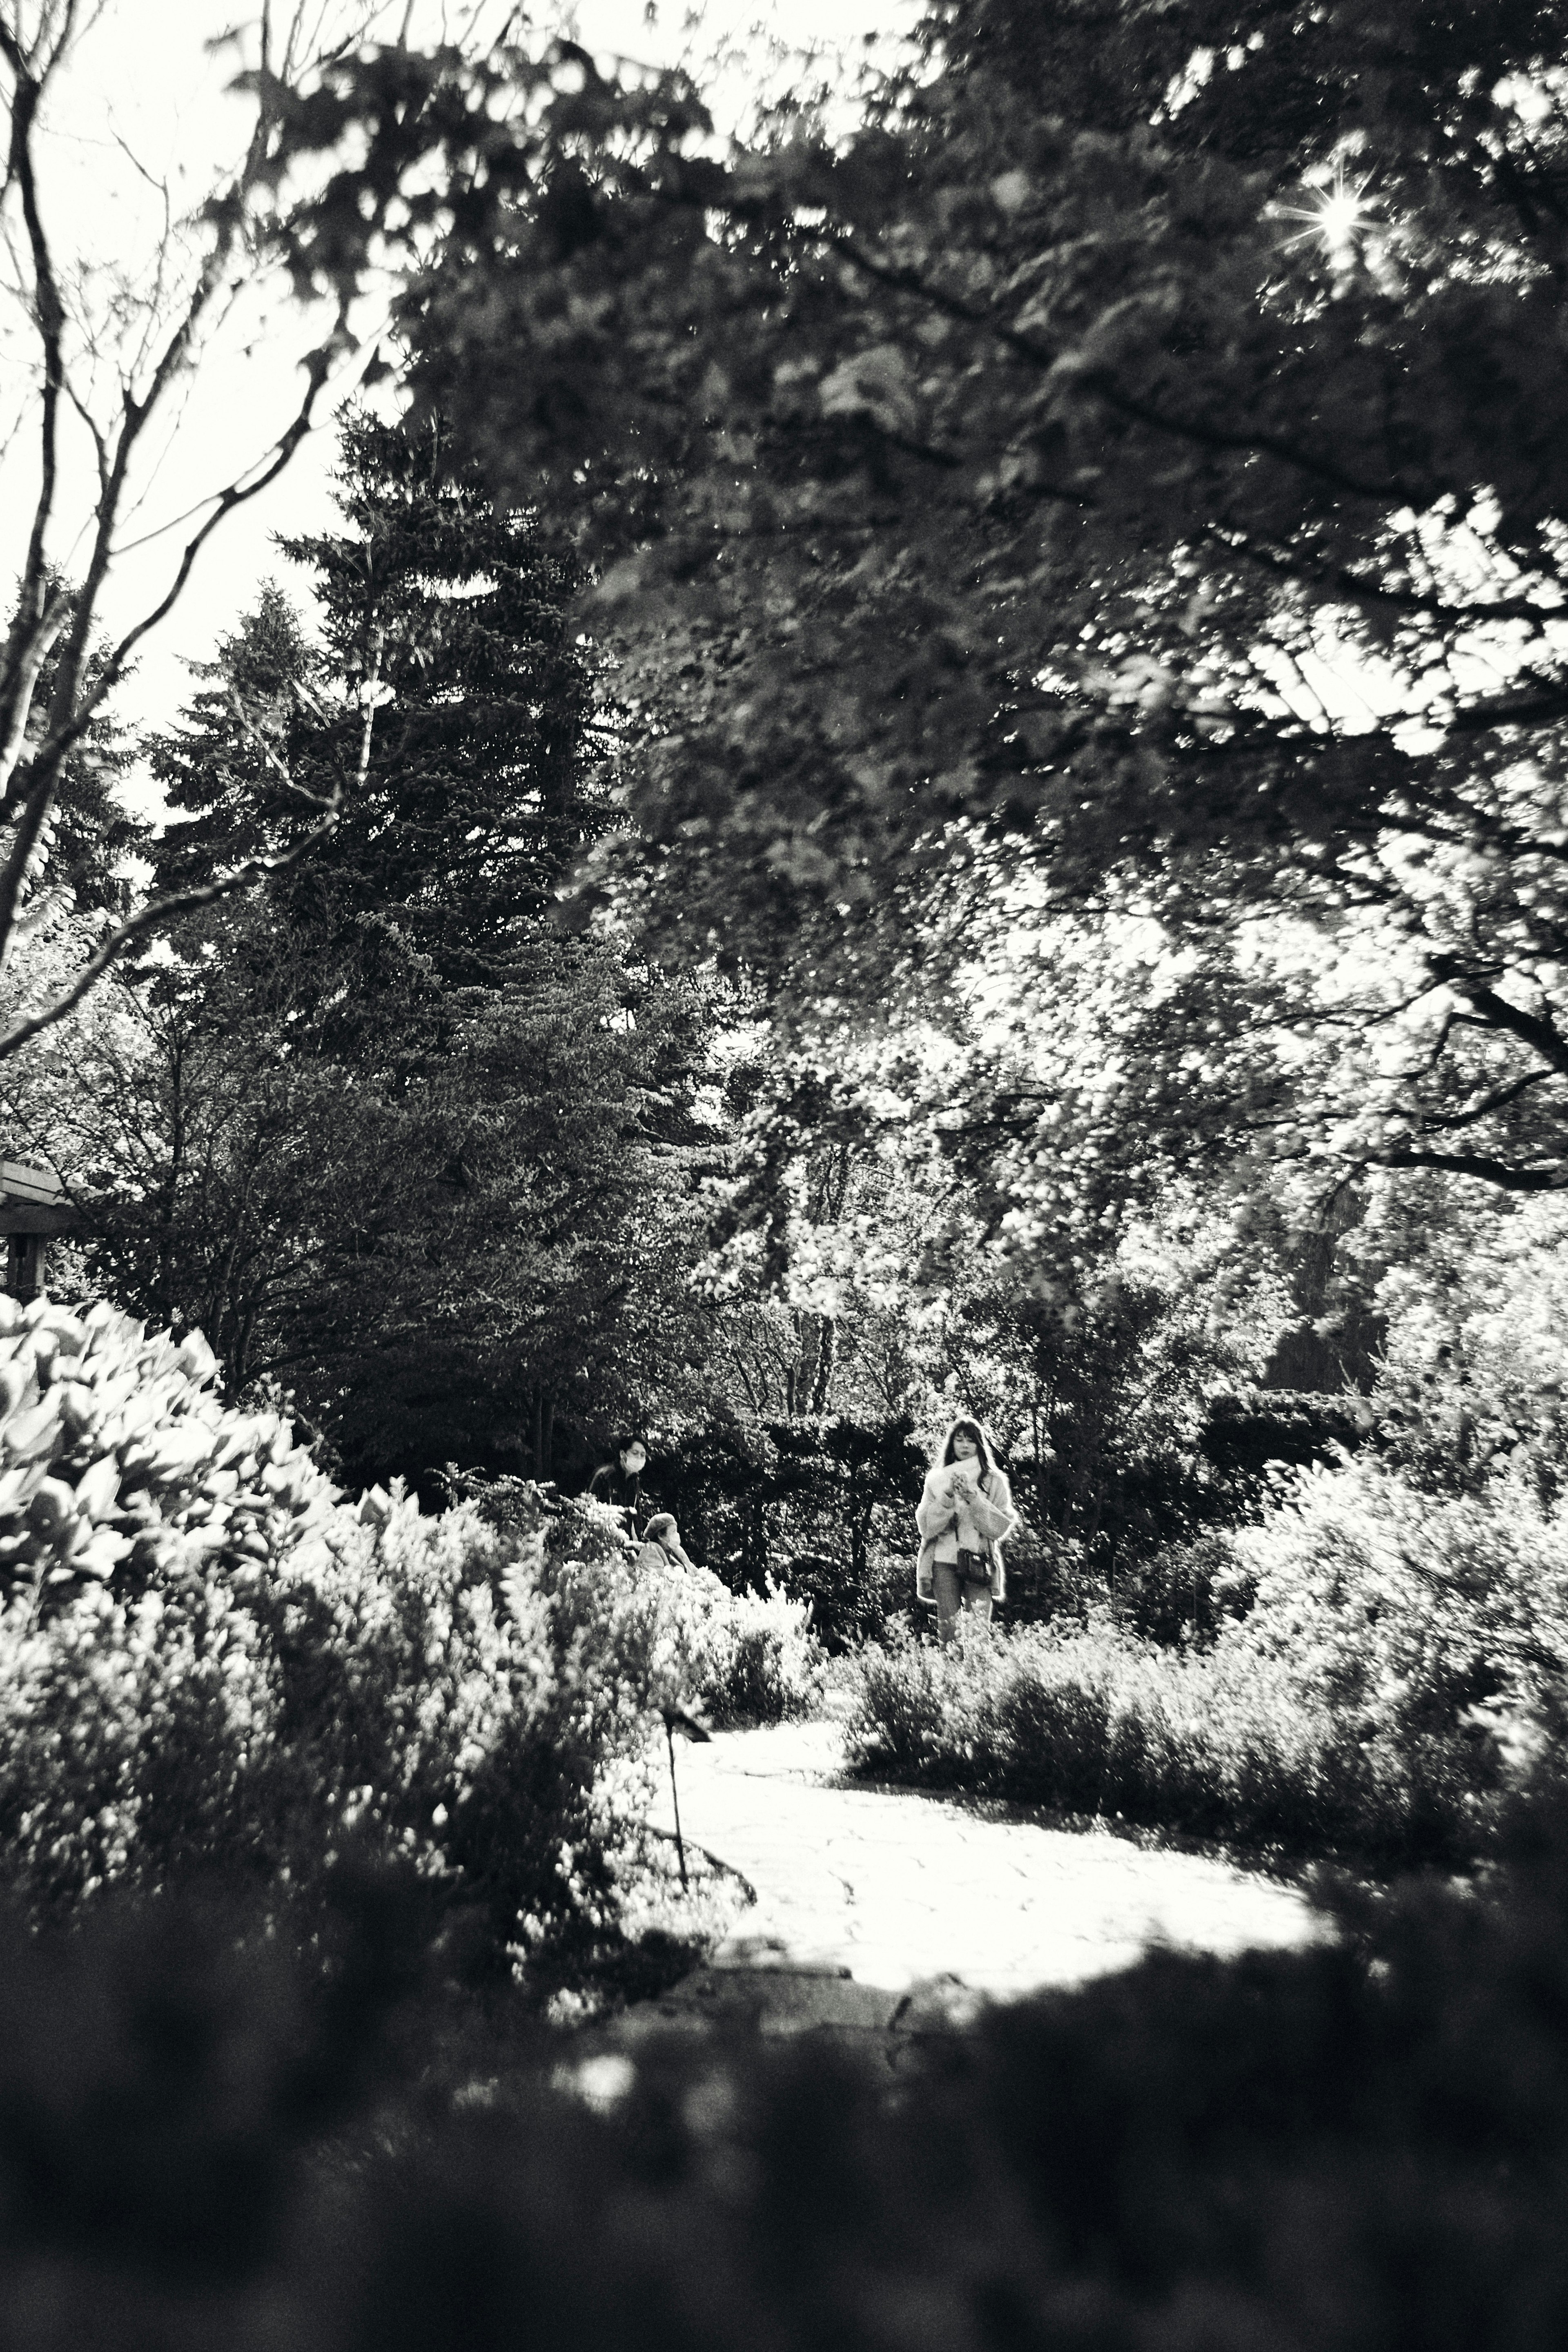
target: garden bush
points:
(212, 1664)
(1357, 2145)
(1373, 1580)
(1092, 1721)
(764, 1662)
(1388, 1665)
(741, 1658)
(1179, 1593)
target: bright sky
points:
(146, 102)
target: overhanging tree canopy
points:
(1011, 464)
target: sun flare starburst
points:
(1335, 209)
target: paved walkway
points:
(923, 1904)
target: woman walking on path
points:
(964, 1516)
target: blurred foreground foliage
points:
(1357, 2145)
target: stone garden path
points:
(878, 1908)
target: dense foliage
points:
(1125, 456)
(448, 690)
(1331, 2150)
(1384, 1667)
(382, 1132)
(932, 754)
(437, 1255)
(215, 1668)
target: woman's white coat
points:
(990, 1508)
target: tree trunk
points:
(826, 1363)
(859, 1539)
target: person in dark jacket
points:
(619, 1481)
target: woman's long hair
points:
(972, 1429)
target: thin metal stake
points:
(675, 1799)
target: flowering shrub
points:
(209, 1661)
(1392, 1665)
(118, 1460)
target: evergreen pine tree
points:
(448, 699)
(256, 719)
(445, 630)
(429, 1158)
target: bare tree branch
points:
(25, 662)
(30, 775)
(1294, 563)
(49, 308)
(155, 916)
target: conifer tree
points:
(447, 683)
(246, 733)
(419, 1153)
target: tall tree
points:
(481, 790)
(447, 677)
(406, 1145)
(251, 729)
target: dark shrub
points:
(826, 1506)
(1359, 2145)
